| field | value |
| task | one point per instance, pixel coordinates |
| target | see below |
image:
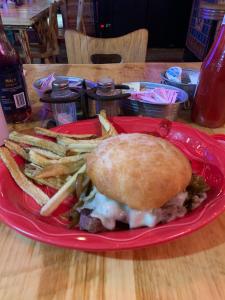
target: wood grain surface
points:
(80, 47)
(192, 267)
(26, 14)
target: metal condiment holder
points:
(106, 97)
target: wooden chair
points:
(47, 31)
(82, 49)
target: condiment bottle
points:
(13, 91)
(209, 101)
(63, 102)
(4, 133)
(106, 88)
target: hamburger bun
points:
(139, 170)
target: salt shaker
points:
(63, 102)
(4, 133)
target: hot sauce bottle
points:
(13, 92)
(209, 103)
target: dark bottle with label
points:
(13, 92)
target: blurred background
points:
(178, 30)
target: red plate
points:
(206, 154)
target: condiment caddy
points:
(89, 99)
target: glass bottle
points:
(209, 101)
(13, 92)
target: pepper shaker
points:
(106, 88)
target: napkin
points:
(156, 96)
(46, 85)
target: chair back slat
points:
(132, 47)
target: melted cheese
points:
(109, 211)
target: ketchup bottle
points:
(209, 103)
(13, 90)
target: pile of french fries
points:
(60, 164)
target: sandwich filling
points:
(107, 212)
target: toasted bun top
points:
(139, 170)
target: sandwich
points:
(139, 180)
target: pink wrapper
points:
(156, 96)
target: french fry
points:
(103, 114)
(38, 159)
(58, 170)
(32, 169)
(54, 134)
(58, 165)
(42, 161)
(108, 127)
(70, 159)
(72, 153)
(43, 152)
(16, 148)
(26, 185)
(24, 151)
(79, 148)
(77, 152)
(67, 141)
(53, 182)
(61, 194)
(37, 142)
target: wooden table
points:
(192, 267)
(24, 16)
(20, 18)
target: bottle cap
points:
(105, 82)
(59, 85)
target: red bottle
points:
(209, 103)
(13, 91)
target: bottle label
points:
(13, 91)
(20, 100)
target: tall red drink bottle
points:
(209, 103)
